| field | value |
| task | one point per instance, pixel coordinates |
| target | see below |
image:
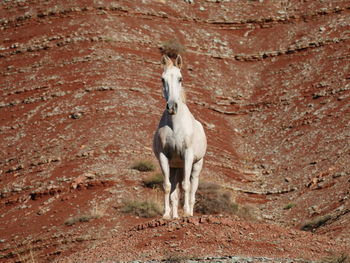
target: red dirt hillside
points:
(81, 98)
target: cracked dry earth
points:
(81, 97)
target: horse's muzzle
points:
(171, 108)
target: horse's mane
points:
(183, 95)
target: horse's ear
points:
(166, 61)
(178, 61)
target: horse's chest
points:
(174, 145)
(175, 142)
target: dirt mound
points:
(191, 238)
(81, 97)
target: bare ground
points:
(81, 97)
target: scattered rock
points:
(76, 115)
(78, 181)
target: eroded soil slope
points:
(81, 97)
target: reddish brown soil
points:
(81, 98)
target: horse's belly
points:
(176, 162)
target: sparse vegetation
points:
(94, 213)
(172, 48)
(289, 206)
(28, 258)
(108, 39)
(316, 223)
(154, 181)
(26, 255)
(73, 220)
(176, 259)
(143, 166)
(141, 208)
(343, 258)
(213, 199)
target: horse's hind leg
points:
(174, 193)
(197, 167)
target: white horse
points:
(179, 143)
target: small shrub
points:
(177, 258)
(154, 181)
(94, 213)
(212, 199)
(143, 166)
(25, 253)
(172, 48)
(71, 221)
(82, 218)
(318, 222)
(141, 208)
(289, 206)
(343, 258)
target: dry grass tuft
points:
(143, 166)
(343, 258)
(25, 255)
(154, 181)
(289, 206)
(172, 48)
(316, 223)
(175, 258)
(141, 208)
(94, 213)
(213, 199)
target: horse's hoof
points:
(166, 217)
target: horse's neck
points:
(181, 117)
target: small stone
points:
(193, 220)
(269, 217)
(322, 29)
(210, 126)
(173, 245)
(339, 174)
(89, 175)
(76, 115)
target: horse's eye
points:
(180, 79)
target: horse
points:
(179, 143)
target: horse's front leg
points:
(174, 192)
(186, 181)
(164, 165)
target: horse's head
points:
(172, 80)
